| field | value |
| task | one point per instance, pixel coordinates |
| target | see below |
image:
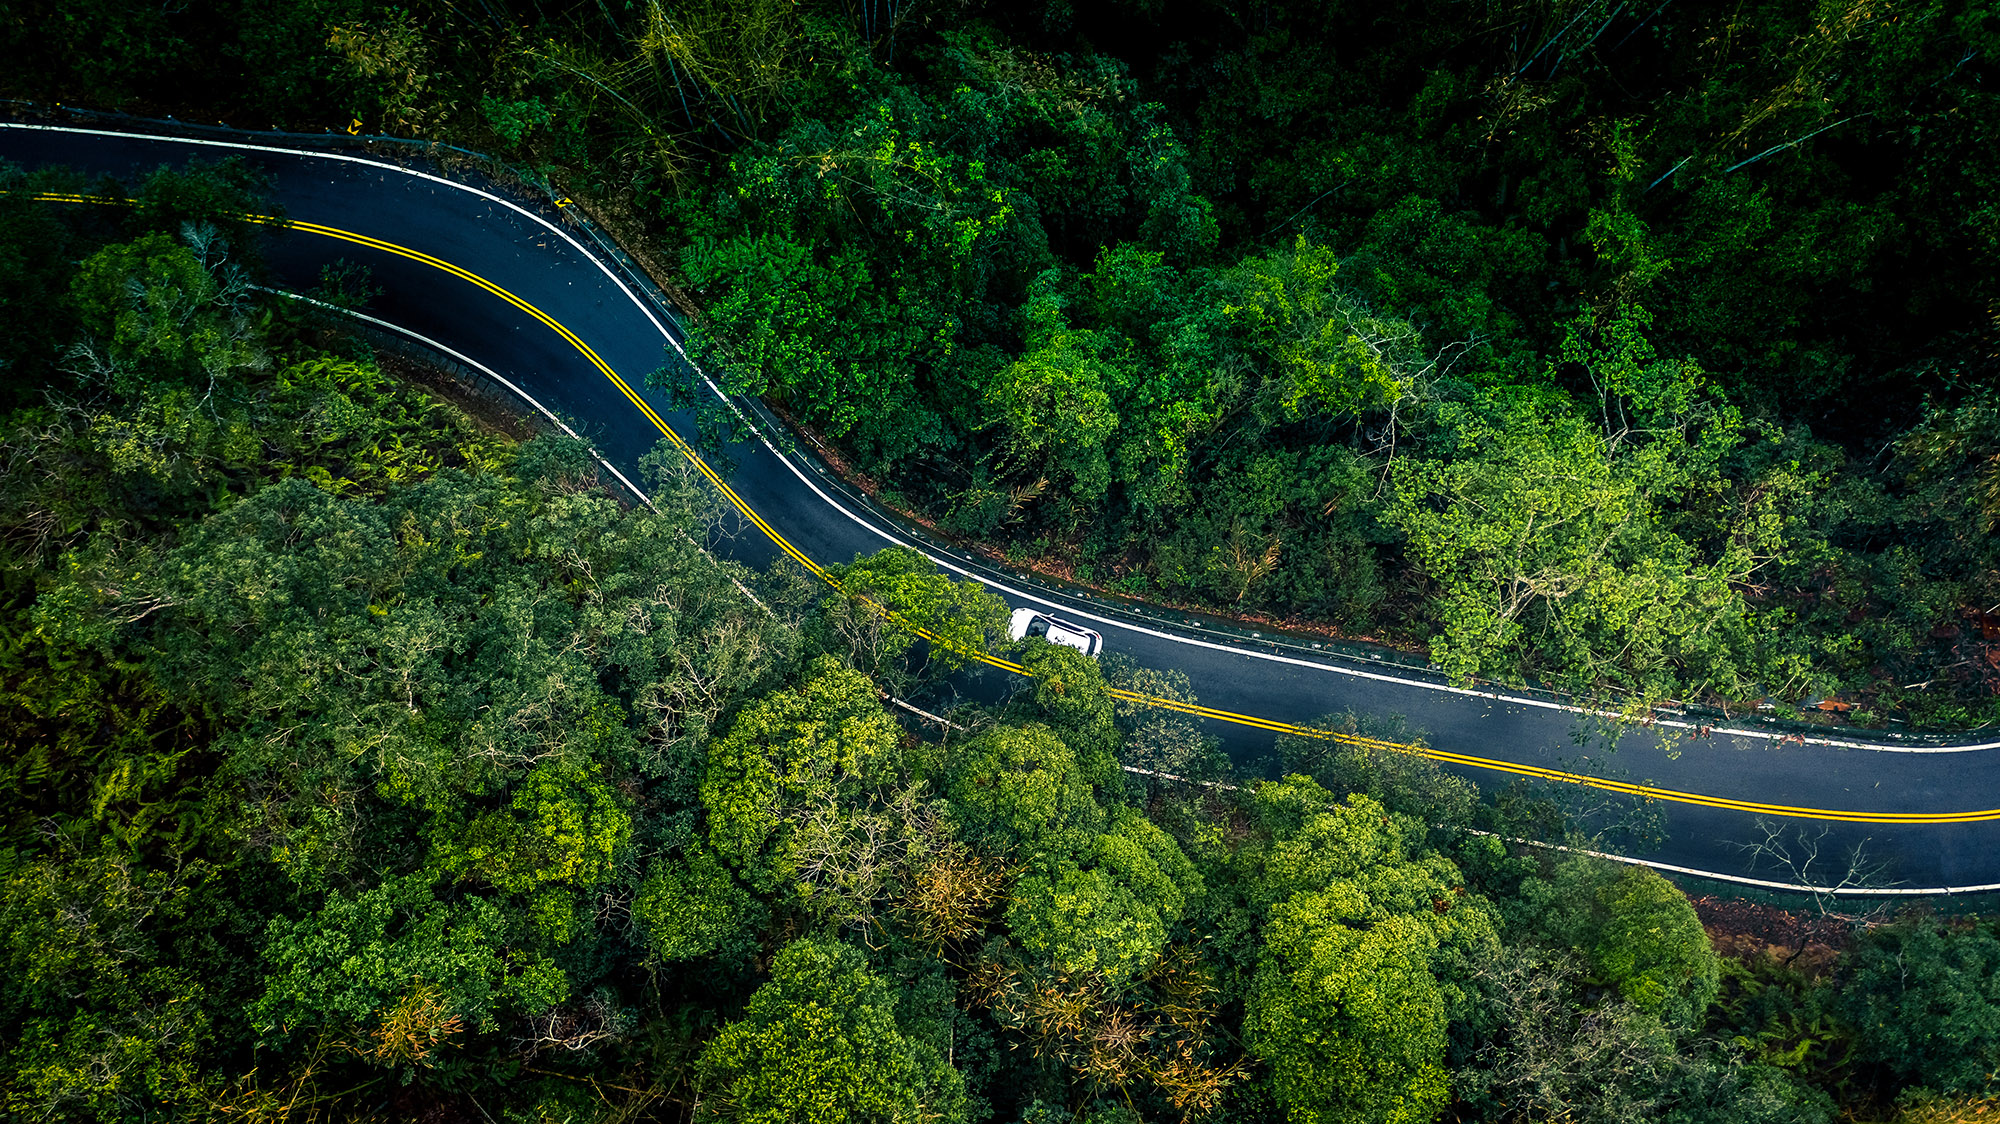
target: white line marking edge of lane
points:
(1939, 891)
(470, 362)
(1742, 880)
(946, 563)
(349, 158)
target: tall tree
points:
(820, 1043)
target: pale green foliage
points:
(1560, 1046)
(690, 907)
(1553, 1054)
(1328, 356)
(391, 56)
(793, 748)
(1634, 388)
(746, 50)
(1367, 950)
(1100, 888)
(94, 1065)
(1084, 923)
(819, 1044)
(438, 649)
(74, 929)
(1400, 779)
(1607, 552)
(1148, 861)
(1622, 241)
(1961, 445)
(101, 1025)
(1019, 789)
(1375, 864)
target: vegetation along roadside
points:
(370, 763)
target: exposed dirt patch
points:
(1745, 930)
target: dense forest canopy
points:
(366, 762)
(1643, 350)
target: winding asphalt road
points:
(516, 287)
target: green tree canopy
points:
(345, 967)
(1636, 931)
(692, 906)
(820, 1043)
(1327, 354)
(1925, 1002)
(967, 619)
(1053, 408)
(1106, 911)
(1370, 943)
(1019, 790)
(1556, 547)
(793, 748)
(159, 310)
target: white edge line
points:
(1741, 880)
(522, 394)
(383, 164)
(1357, 673)
(469, 362)
(945, 563)
(1935, 891)
(1795, 887)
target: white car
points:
(1028, 622)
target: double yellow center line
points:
(694, 458)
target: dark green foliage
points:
(693, 907)
(351, 961)
(1402, 782)
(273, 54)
(1219, 305)
(1924, 1001)
(1549, 1044)
(359, 761)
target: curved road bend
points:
(450, 254)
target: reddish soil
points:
(1745, 930)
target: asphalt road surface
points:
(505, 282)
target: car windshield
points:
(1038, 627)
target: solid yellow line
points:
(1648, 791)
(694, 458)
